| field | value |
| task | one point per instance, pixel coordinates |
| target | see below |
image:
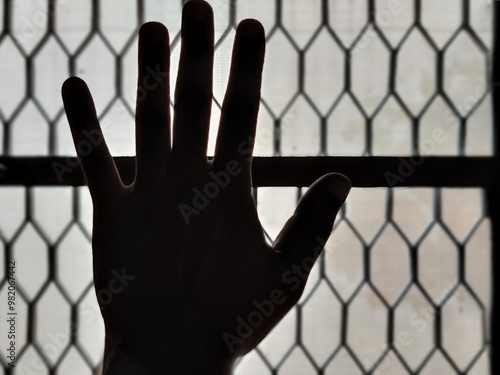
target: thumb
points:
(306, 232)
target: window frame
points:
(364, 171)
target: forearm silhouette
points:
(201, 285)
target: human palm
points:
(182, 269)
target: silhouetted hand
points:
(184, 277)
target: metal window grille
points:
(54, 260)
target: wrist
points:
(160, 358)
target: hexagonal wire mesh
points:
(401, 287)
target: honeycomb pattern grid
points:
(374, 77)
(403, 286)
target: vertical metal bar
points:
(302, 70)
(465, 14)
(371, 11)
(95, 24)
(494, 211)
(494, 198)
(140, 12)
(347, 70)
(324, 13)
(51, 25)
(418, 12)
(51, 19)
(118, 76)
(415, 130)
(277, 137)
(278, 18)
(369, 136)
(7, 16)
(323, 136)
(232, 13)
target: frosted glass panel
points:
(332, 57)
(333, 84)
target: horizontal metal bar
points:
(283, 171)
